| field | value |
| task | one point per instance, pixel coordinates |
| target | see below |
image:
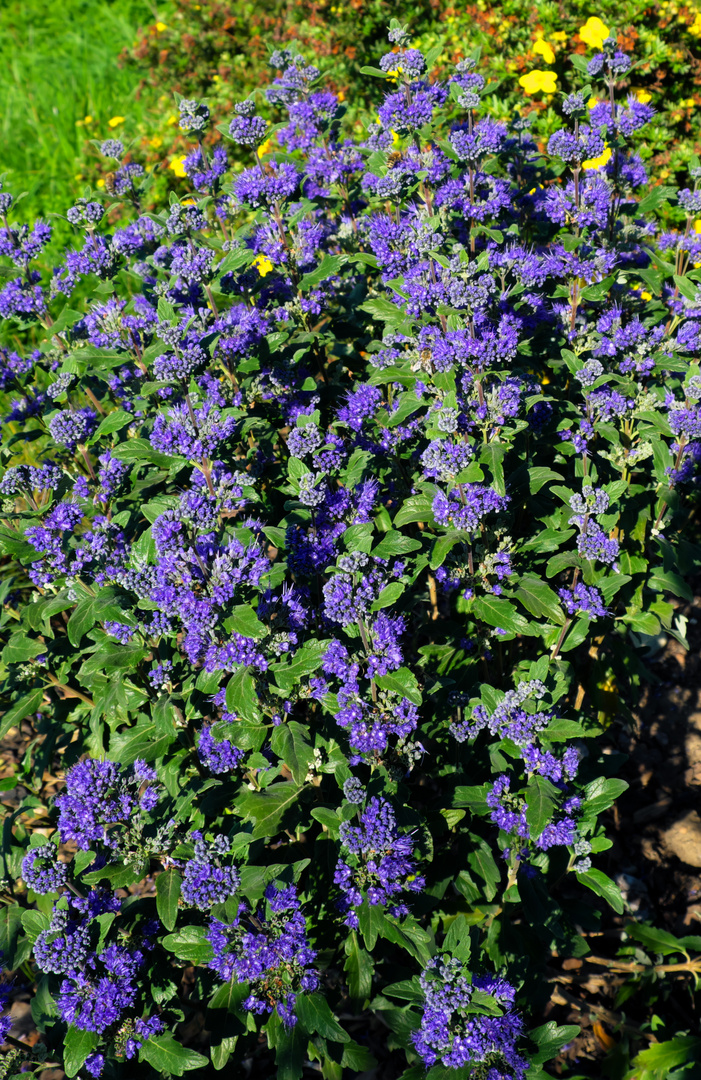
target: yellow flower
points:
(697, 225)
(341, 95)
(646, 295)
(545, 50)
(78, 176)
(265, 147)
(559, 35)
(594, 32)
(116, 121)
(177, 164)
(87, 120)
(160, 27)
(644, 97)
(188, 202)
(172, 119)
(262, 264)
(101, 182)
(695, 27)
(536, 81)
(395, 139)
(592, 102)
(597, 162)
(688, 104)
(155, 142)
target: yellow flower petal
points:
(559, 35)
(265, 147)
(160, 27)
(101, 182)
(87, 120)
(594, 32)
(697, 226)
(646, 295)
(155, 142)
(545, 50)
(644, 97)
(115, 121)
(177, 164)
(596, 163)
(534, 82)
(262, 264)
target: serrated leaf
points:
(241, 696)
(315, 1015)
(403, 682)
(266, 808)
(502, 614)
(358, 967)
(290, 742)
(602, 885)
(77, 1046)
(169, 1057)
(24, 707)
(388, 596)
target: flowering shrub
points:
(327, 516)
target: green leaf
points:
(481, 860)
(457, 940)
(402, 682)
(411, 937)
(443, 546)
(602, 885)
(114, 421)
(661, 1057)
(76, 1048)
(314, 1013)
(290, 742)
(241, 696)
(24, 707)
(541, 803)
(83, 618)
(167, 894)
(415, 508)
(139, 451)
(189, 944)
(229, 995)
(654, 199)
(304, 662)
(329, 265)
(371, 918)
(142, 741)
(21, 648)
(602, 793)
(170, 1058)
(358, 968)
(266, 808)
(245, 621)
(550, 1039)
(33, 923)
(389, 594)
(657, 941)
(502, 614)
(538, 598)
(394, 543)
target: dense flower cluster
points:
(454, 1036)
(269, 950)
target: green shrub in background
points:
(221, 49)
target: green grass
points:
(58, 64)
